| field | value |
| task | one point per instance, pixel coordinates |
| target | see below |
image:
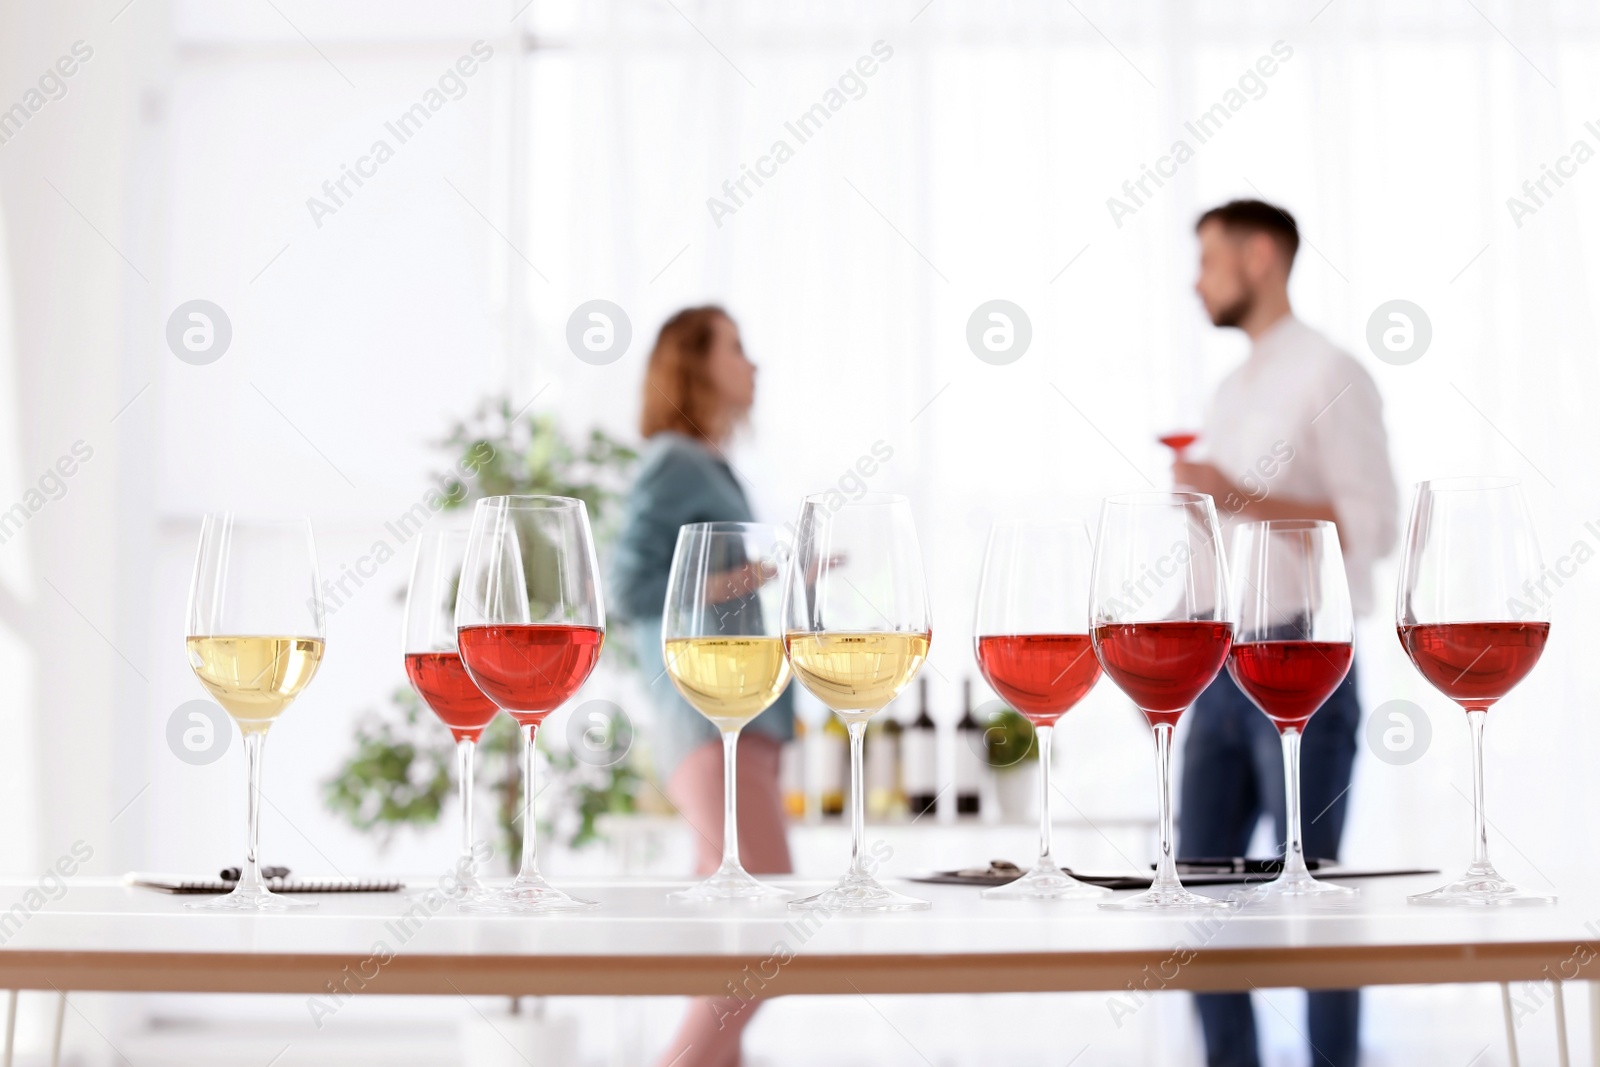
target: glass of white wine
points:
(856, 628)
(255, 638)
(721, 635)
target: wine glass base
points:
(1481, 887)
(1166, 897)
(859, 892)
(729, 883)
(258, 899)
(1046, 881)
(525, 896)
(1292, 890)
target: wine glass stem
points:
(1476, 719)
(530, 766)
(1294, 858)
(1166, 863)
(466, 750)
(250, 876)
(858, 800)
(730, 805)
(1043, 733)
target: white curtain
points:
(976, 163)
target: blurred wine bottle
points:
(882, 767)
(792, 772)
(833, 763)
(920, 762)
(970, 764)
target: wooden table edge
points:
(780, 974)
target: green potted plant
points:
(1011, 752)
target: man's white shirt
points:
(1300, 420)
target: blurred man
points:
(1295, 432)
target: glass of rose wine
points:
(433, 663)
(1292, 633)
(1179, 441)
(1470, 554)
(856, 629)
(255, 638)
(722, 638)
(530, 623)
(1032, 644)
(1159, 626)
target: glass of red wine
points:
(1292, 633)
(530, 623)
(1032, 644)
(433, 663)
(1470, 553)
(1179, 441)
(1159, 625)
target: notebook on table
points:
(170, 883)
(1230, 871)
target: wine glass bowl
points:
(856, 631)
(1293, 629)
(530, 624)
(1031, 640)
(722, 643)
(1159, 628)
(1179, 441)
(1470, 555)
(255, 637)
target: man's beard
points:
(1236, 312)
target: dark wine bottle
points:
(970, 765)
(920, 757)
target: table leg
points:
(61, 1022)
(1511, 1030)
(1562, 1059)
(1594, 1023)
(11, 1025)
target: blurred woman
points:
(698, 389)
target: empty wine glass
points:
(255, 639)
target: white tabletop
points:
(104, 936)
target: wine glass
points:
(530, 624)
(722, 642)
(433, 663)
(1179, 441)
(856, 628)
(1470, 556)
(255, 638)
(1159, 626)
(1032, 644)
(1292, 633)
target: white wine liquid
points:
(729, 680)
(255, 678)
(856, 673)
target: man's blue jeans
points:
(1232, 774)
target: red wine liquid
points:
(1179, 441)
(1474, 663)
(530, 670)
(1289, 680)
(443, 684)
(1163, 666)
(1041, 675)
